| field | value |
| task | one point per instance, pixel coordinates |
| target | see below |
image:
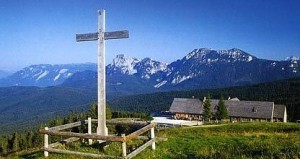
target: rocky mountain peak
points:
(205, 55)
(122, 60)
(126, 65)
(123, 64)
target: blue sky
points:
(43, 31)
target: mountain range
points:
(201, 68)
(44, 75)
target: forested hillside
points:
(285, 92)
(22, 108)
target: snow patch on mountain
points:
(179, 78)
(250, 58)
(160, 84)
(69, 74)
(44, 74)
(63, 71)
(56, 77)
(294, 71)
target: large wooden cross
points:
(101, 36)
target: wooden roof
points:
(247, 109)
(186, 105)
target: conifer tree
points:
(4, 145)
(94, 110)
(108, 112)
(29, 138)
(37, 139)
(23, 143)
(15, 142)
(206, 109)
(221, 110)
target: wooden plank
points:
(83, 136)
(79, 153)
(67, 126)
(116, 35)
(46, 143)
(140, 149)
(87, 37)
(157, 139)
(141, 123)
(140, 131)
(153, 137)
(90, 130)
(124, 149)
(65, 141)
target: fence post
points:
(46, 144)
(124, 153)
(90, 129)
(153, 137)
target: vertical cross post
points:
(90, 129)
(101, 129)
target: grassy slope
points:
(249, 140)
(244, 140)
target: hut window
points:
(254, 109)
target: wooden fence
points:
(56, 131)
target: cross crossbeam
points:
(107, 36)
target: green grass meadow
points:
(248, 140)
(234, 140)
